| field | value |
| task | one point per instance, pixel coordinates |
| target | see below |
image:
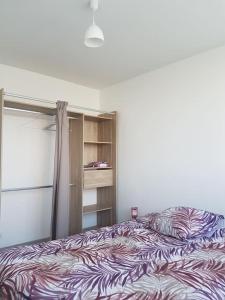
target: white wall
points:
(37, 85)
(171, 148)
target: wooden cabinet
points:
(93, 138)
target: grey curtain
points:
(60, 201)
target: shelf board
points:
(97, 118)
(97, 168)
(97, 142)
(90, 228)
(90, 209)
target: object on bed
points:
(126, 261)
(186, 223)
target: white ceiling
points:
(46, 36)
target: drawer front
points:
(98, 178)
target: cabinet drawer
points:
(98, 178)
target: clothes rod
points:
(53, 102)
(31, 188)
(28, 188)
(33, 112)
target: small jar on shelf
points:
(134, 213)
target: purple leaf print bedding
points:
(185, 222)
(125, 261)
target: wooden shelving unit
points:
(93, 138)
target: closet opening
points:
(27, 173)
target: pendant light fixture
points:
(94, 36)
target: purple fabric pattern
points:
(125, 261)
(186, 223)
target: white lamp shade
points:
(94, 37)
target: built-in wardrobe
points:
(26, 196)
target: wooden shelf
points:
(90, 228)
(97, 118)
(97, 142)
(97, 168)
(90, 209)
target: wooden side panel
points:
(76, 174)
(97, 178)
(1, 122)
(107, 196)
(114, 160)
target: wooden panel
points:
(107, 196)
(99, 130)
(90, 153)
(114, 163)
(76, 171)
(105, 153)
(97, 152)
(105, 131)
(90, 131)
(104, 218)
(99, 178)
(105, 199)
(1, 121)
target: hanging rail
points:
(30, 188)
(27, 188)
(33, 112)
(53, 102)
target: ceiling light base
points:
(94, 4)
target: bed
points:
(125, 261)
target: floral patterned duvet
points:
(126, 261)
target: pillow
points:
(186, 223)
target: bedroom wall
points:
(27, 161)
(171, 136)
(28, 83)
(28, 153)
